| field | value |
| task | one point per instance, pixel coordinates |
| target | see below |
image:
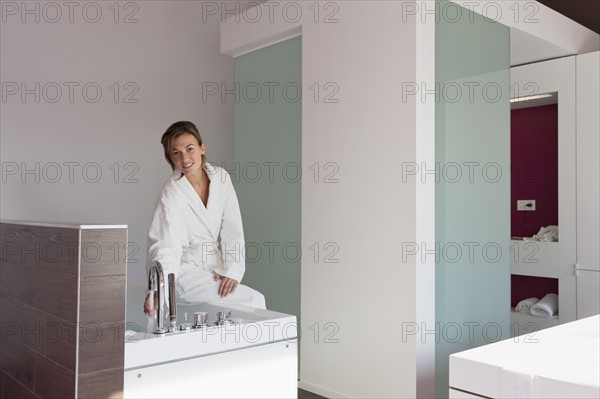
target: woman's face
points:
(186, 154)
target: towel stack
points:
(548, 234)
(545, 307)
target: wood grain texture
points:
(40, 268)
(44, 248)
(61, 342)
(102, 299)
(101, 347)
(46, 320)
(56, 293)
(105, 384)
(16, 283)
(11, 389)
(52, 380)
(18, 361)
(23, 323)
(104, 252)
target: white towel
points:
(546, 307)
(548, 234)
(526, 304)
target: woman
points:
(197, 229)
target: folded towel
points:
(526, 304)
(548, 234)
(546, 307)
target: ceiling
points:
(526, 48)
(584, 12)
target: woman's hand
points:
(228, 285)
(148, 308)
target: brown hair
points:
(175, 130)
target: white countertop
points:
(252, 327)
(562, 361)
(78, 226)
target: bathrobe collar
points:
(209, 214)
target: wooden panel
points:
(52, 380)
(16, 282)
(106, 384)
(103, 252)
(101, 347)
(23, 323)
(56, 293)
(40, 266)
(44, 317)
(50, 292)
(46, 248)
(18, 361)
(102, 313)
(11, 389)
(61, 342)
(102, 299)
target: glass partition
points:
(267, 169)
(472, 183)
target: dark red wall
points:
(523, 287)
(534, 168)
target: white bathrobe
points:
(194, 241)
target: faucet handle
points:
(223, 317)
(185, 326)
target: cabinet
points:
(575, 259)
(588, 185)
(552, 260)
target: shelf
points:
(534, 258)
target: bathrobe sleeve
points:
(167, 234)
(231, 234)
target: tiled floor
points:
(302, 394)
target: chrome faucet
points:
(156, 282)
(172, 304)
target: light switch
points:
(525, 205)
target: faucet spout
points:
(156, 282)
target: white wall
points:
(166, 55)
(368, 295)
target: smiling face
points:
(186, 154)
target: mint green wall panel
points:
(472, 186)
(267, 170)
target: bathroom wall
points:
(86, 96)
(534, 168)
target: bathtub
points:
(254, 356)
